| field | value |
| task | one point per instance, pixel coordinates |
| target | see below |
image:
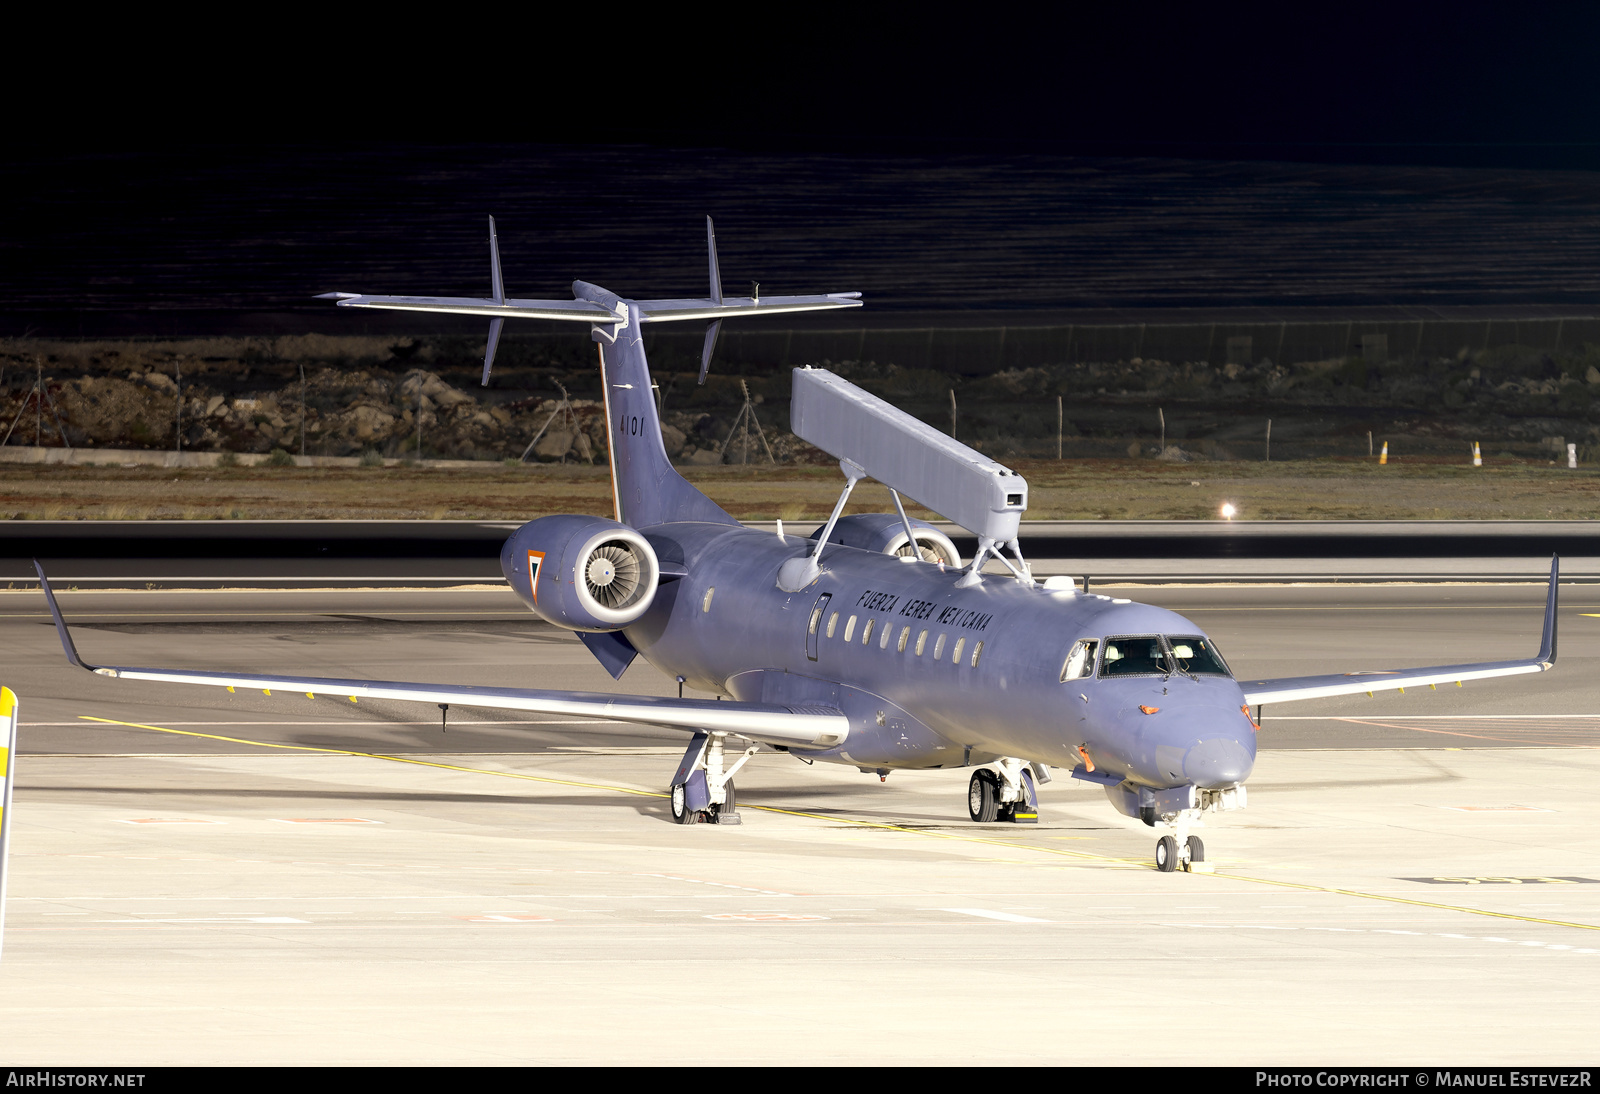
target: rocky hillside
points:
(349, 396)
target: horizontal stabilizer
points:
(587, 311)
(574, 311)
(673, 311)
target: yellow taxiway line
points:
(881, 825)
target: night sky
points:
(1013, 164)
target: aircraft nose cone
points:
(1220, 761)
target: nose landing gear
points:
(1184, 808)
(1170, 855)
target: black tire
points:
(1166, 854)
(1197, 849)
(731, 804)
(680, 805)
(983, 797)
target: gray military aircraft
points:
(867, 643)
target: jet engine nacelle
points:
(582, 573)
(884, 532)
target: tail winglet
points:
(497, 286)
(716, 298)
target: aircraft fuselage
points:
(932, 675)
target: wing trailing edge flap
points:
(768, 723)
(1293, 688)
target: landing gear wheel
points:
(983, 797)
(1166, 854)
(680, 806)
(1197, 850)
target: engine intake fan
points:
(613, 575)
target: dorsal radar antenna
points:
(872, 438)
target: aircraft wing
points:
(669, 311)
(802, 727)
(1289, 689)
(575, 311)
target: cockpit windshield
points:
(1161, 655)
(1197, 656)
(1135, 655)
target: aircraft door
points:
(814, 625)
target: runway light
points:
(1228, 510)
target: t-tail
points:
(646, 489)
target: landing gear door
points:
(814, 624)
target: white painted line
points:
(230, 919)
(985, 913)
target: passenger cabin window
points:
(1135, 655)
(866, 632)
(888, 633)
(938, 648)
(1197, 656)
(833, 621)
(1080, 660)
(922, 640)
(849, 627)
(977, 652)
(905, 633)
(955, 654)
(705, 605)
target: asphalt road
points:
(1412, 884)
(199, 554)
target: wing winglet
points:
(1293, 689)
(61, 624)
(1547, 644)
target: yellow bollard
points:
(1383, 457)
(1477, 456)
(8, 771)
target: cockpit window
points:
(1197, 656)
(1080, 660)
(1135, 655)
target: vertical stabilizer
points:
(646, 488)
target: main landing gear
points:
(1007, 793)
(702, 789)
